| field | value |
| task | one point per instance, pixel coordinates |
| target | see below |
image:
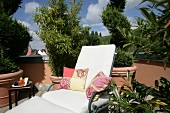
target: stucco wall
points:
(39, 72)
(147, 73)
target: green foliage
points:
(7, 66)
(14, 37)
(133, 96)
(112, 18)
(60, 29)
(118, 4)
(100, 35)
(105, 40)
(123, 59)
(93, 39)
(160, 95)
(152, 36)
(9, 6)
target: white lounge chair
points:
(96, 58)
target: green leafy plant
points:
(132, 97)
(14, 37)
(62, 32)
(6, 66)
(10, 6)
(160, 94)
(14, 40)
(123, 59)
(153, 36)
(112, 17)
(135, 97)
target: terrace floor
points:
(23, 96)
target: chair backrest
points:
(96, 58)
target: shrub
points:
(62, 32)
(14, 40)
(112, 18)
(123, 59)
(15, 37)
(6, 66)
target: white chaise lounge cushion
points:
(96, 58)
(75, 101)
(38, 105)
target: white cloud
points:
(34, 35)
(104, 31)
(36, 43)
(30, 7)
(132, 4)
(32, 27)
(94, 12)
(26, 24)
(84, 25)
(98, 24)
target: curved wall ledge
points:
(37, 69)
(32, 59)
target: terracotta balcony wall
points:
(37, 69)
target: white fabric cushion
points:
(38, 105)
(75, 101)
(96, 58)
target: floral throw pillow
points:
(78, 79)
(65, 83)
(98, 83)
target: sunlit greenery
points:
(112, 17)
(62, 32)
(152, 35)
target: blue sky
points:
(91, 11)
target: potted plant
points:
(132, 97)
(123, 63)
(14, 40)
(64, 35)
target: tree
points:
(96, 33)
(62, 32)
(92, 33)
(118, 4)
(14, 37)
(112, 18)
(92, 39)
(100, 35)
(10, 6)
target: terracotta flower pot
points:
(55, 79)
(121, 70)
(6, 81)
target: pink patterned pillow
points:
(65, 83)
(99, 83)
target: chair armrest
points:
(52, 85)
(92, 98)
